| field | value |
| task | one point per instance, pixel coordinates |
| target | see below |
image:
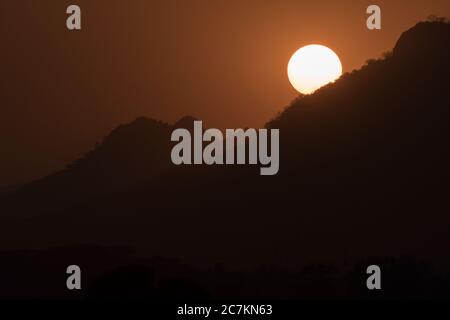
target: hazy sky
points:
(223, 61)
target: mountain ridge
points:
(362, 158)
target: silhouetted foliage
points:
(115, 273)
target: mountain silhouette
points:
(363, 170)
(129, 155)
(186, 122)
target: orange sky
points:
(223, 61)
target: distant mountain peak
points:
(185, 122)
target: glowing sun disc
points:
(312, 67)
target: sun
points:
(312, 67)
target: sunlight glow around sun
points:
(312, 67)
